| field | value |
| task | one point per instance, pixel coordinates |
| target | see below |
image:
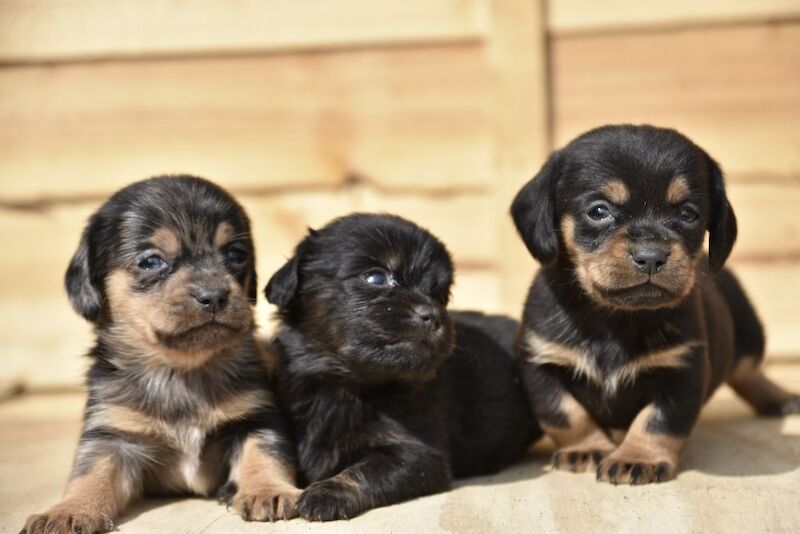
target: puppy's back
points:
(491, 424)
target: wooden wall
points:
(305, 112)
(434, 109)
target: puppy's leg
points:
(767, 397)
(386, 475)
(580, 442)
(262, 481)
(648, 454)
(98, 491)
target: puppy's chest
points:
(607, 362)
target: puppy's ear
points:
(282, 287)
(84, 293)
(252, 289)
(534, 211)
(722, 223)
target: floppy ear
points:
(722, 224)
(252, 290)
(282, 287)
(534, 211)
(84, 293)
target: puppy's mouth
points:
(205, 335)
(646, 295)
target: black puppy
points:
(629, 327)
(388, 396)
(179, 400)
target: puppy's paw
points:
(269, 504)
(63, 518)
(329, 500)
(578, 460)
(634, 471)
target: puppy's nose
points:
(212, 299)
(649, 259)
(428, 316)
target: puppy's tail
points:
(747, 377)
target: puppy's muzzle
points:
(427, 317)
(209, 298)
(648, 258)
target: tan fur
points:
(166, 241)
(610, 267)
(645, 448)
(581, 438)
(678, 190)
(132, 421)
(749, 381)
(582, 364)
(91, 502)
(616, 191)
(138, 316)
(266, 486)
(223, 235)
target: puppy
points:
(178, 393)
(629, 327)
(388, 395)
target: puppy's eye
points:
(688, 214)
(379, 278)
(599, 213)
(153, 262)
(236, 255)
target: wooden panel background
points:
(436, 110)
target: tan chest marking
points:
(553, 353)
(187, 437)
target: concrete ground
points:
(739, 474)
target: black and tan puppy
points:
(629, 327)
(179, 400)
(388, 395)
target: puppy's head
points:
(372, 291)
(627, 207)
(167, 264)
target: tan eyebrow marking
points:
(166, 240)
(678, 190)
(223, 234)
(616, 191)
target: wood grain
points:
(734, 90)
(574, 16)
(405, 118)
(46, 30)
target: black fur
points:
(714, 318)
(159, 406)
(384, 405)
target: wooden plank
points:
(774, 289)
(46, 30)
(518, 58)
(406, 118)
(734, 90)
(769, 229)
(574, 16)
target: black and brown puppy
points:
(629, 327)
(179, 400)
(388, 395)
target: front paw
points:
(329, 500)
(634, 471)
(577, 460)
(63, 518)
(269, 504)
